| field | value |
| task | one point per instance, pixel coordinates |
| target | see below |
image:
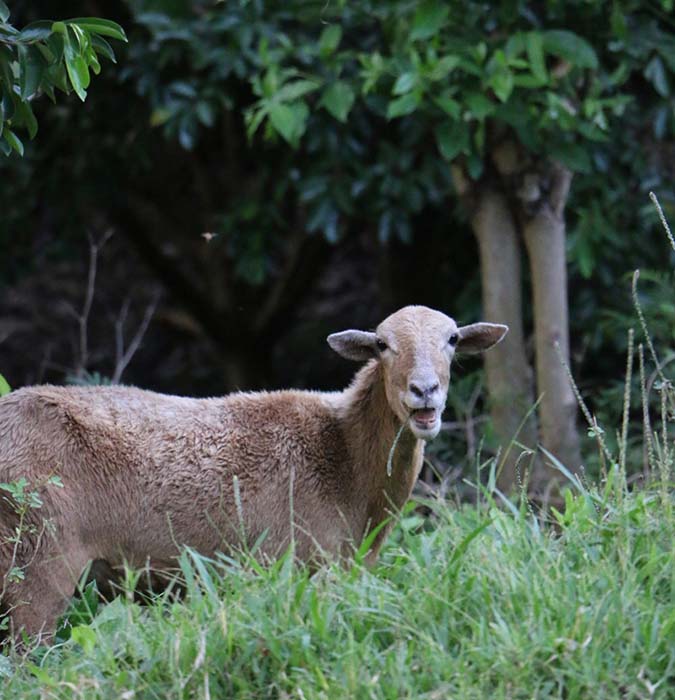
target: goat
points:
(146, 473)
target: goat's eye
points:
(453, 339)
(381, 345)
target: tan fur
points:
(145, 473)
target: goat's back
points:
(144, 472)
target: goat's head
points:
(415, 347)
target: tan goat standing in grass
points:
(144, 473)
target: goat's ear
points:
(480, 336)
(354, 345)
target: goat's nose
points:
(422, 391)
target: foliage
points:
(199, 64)
(41, 58)
(440, 63)
(460, 75)
(370, 95)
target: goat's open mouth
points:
(424, 418)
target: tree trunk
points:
(544, 234)
(509, 378)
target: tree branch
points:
(123, 357)
(95, 248)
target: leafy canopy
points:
(554, 77)
(369, 95)
(43, 57)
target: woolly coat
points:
(144, 473)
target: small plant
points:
(23, 499)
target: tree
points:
(41, 58)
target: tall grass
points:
(470, 603)
(484, 601)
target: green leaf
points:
(25, 114)
(656, 74)
(292, 91)
(85, 637)
(474, 166)
(429, 18)
(13, 140)
(403, 105)
(444, 67)
(515, 45)
(31, 69)
(502, 84)
(452, 139)
(534, 44)
(205, 113)
(338, 99)
(6, 81)
(449, 105)
(571, 47)
(42, 675)
(58, 77)
(103, 47)
(5, 388)
(528, 81)
(479, 105)
(618, 22)
(183, 89)
(253, 118)
(187, 132)
(36, 31)
(77, 68)
(289, 120)
(404, 83)
(368, 540)
(330, 39)
(667, 51)
(460, 549)
(96, 25)
(4, 12)
(81, 35)
(199, 562)
(78, 72)
(7, 104)
(92, 60)
(55, 46)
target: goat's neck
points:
(372, 428)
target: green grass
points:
(473, 602)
